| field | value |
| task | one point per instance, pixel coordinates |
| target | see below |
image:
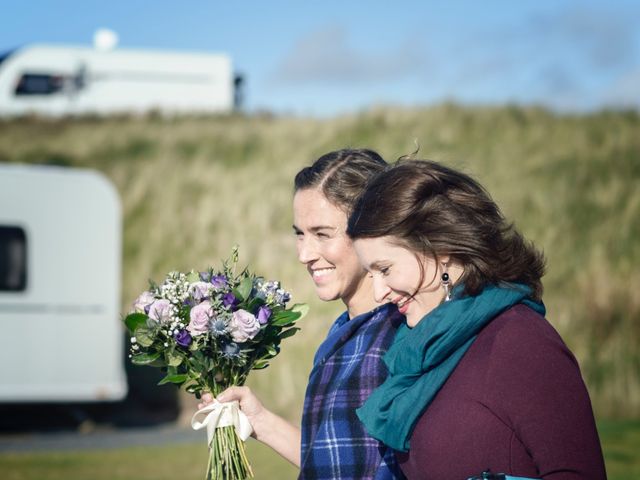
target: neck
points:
(361, 300)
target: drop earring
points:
(445, 281)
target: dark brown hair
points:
(435, 210)
(341, 175)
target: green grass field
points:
(620, 440)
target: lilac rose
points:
(244, 326)
(264, 313)
(200, 290)
(143, 302)
(200, 316)
(160, 311)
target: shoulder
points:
(521, 332)
(338, 322)
(526, 362)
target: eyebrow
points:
(378, 265)
(316, 228)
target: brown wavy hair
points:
(341, 175)
(434, 210)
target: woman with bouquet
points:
(478, 379)
(332, 443)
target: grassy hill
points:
(192, 187)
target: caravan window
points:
(39, 84)
(13, 259)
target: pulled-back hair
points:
(341, 175)
(434, 210)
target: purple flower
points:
(160, 311)
(264, 313)
(205, 276)
(229, 300)
(200, 316)
(183, 338)
(244, 326)
(282, 297)
(219, 281)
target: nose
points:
(380, 289)
(306, 251)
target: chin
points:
(327, 295)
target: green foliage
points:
(145, 358)
(135, 320)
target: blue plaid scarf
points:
(347, 368)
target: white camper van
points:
(60, 268)
(69, 80)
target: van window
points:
(13, 259)
(39, 84)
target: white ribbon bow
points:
(218, 415)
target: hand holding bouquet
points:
(208, 330)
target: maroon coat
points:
(516, 404)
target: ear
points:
(444, 259)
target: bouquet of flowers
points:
(207, 331)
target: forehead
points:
(378, 248)
(311, 208)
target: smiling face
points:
(327, 252)
(397, 276)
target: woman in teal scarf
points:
(478, 379)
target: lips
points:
(403, 304)
(318, 274)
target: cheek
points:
(349, 262)
(339, 252)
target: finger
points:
(207, 398)
(233, 393)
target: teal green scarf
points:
(422, 358)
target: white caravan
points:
(60, 268)
(70, 80)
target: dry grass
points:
(192, 187)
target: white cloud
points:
(625, 91)
(327, 57)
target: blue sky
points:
(332, 57)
